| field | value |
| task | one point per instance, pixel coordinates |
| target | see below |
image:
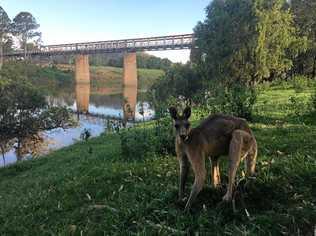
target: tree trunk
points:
(18, 151)
(314, 68)
(25, 49)
(1, 54)
(2, 150)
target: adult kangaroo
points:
(217, 135)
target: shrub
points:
(300, 83)
(236, 99)
(138, 143)
(297, 106)
(313, 101)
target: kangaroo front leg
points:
(184, 170)
(198, 166)
(235, 149)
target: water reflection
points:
(93, 107)
(83, 97)
(129, 102)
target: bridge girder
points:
(173, 42)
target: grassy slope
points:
(86, 187)
(112, 77)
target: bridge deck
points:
(173, 42)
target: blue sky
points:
(64, 21)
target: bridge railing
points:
(137, 44)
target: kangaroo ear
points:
(173, 113)
(187, 113)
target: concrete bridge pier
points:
(129, 85)
(130, 69)
(82, 73)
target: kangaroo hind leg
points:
(251, 158)
(237, 149)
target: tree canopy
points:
(25, 27)
(5, 30)
(305, 21)
(245, 40)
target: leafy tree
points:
(23, 109)
(5, 29)
(25, 28)
(305, 19)
(179, 80)
(145, 60)
(245, 40)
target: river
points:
(93, 109)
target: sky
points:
(70, 21)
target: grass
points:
(89, 189)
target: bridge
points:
(173, 42)
(128, 47)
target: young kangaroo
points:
(217, 135)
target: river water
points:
(92, 108)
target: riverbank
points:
(111, 77)
(89, 188)
(52, 80)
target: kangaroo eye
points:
(176, 126)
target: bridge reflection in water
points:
(83, 97)
(128, 101)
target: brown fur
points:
(217, 135)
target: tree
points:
(179, 80)
(245, 40)
(23, 109)
(25, 28)
(305, 21)
(5, 29)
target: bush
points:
(300, 83)
(298, 106)
(138, 143)
(313, 101)
(236, 99)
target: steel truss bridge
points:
(172, 42)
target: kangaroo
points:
(217, 135)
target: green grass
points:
(51, 80)
(112, 77)
(88, 188)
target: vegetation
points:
(5, 28)
(305, 21)
(24, 111)
(111, 77)
(25, 28)
(241, 44)
(92, 188)
(144, 61)
(254, 60)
